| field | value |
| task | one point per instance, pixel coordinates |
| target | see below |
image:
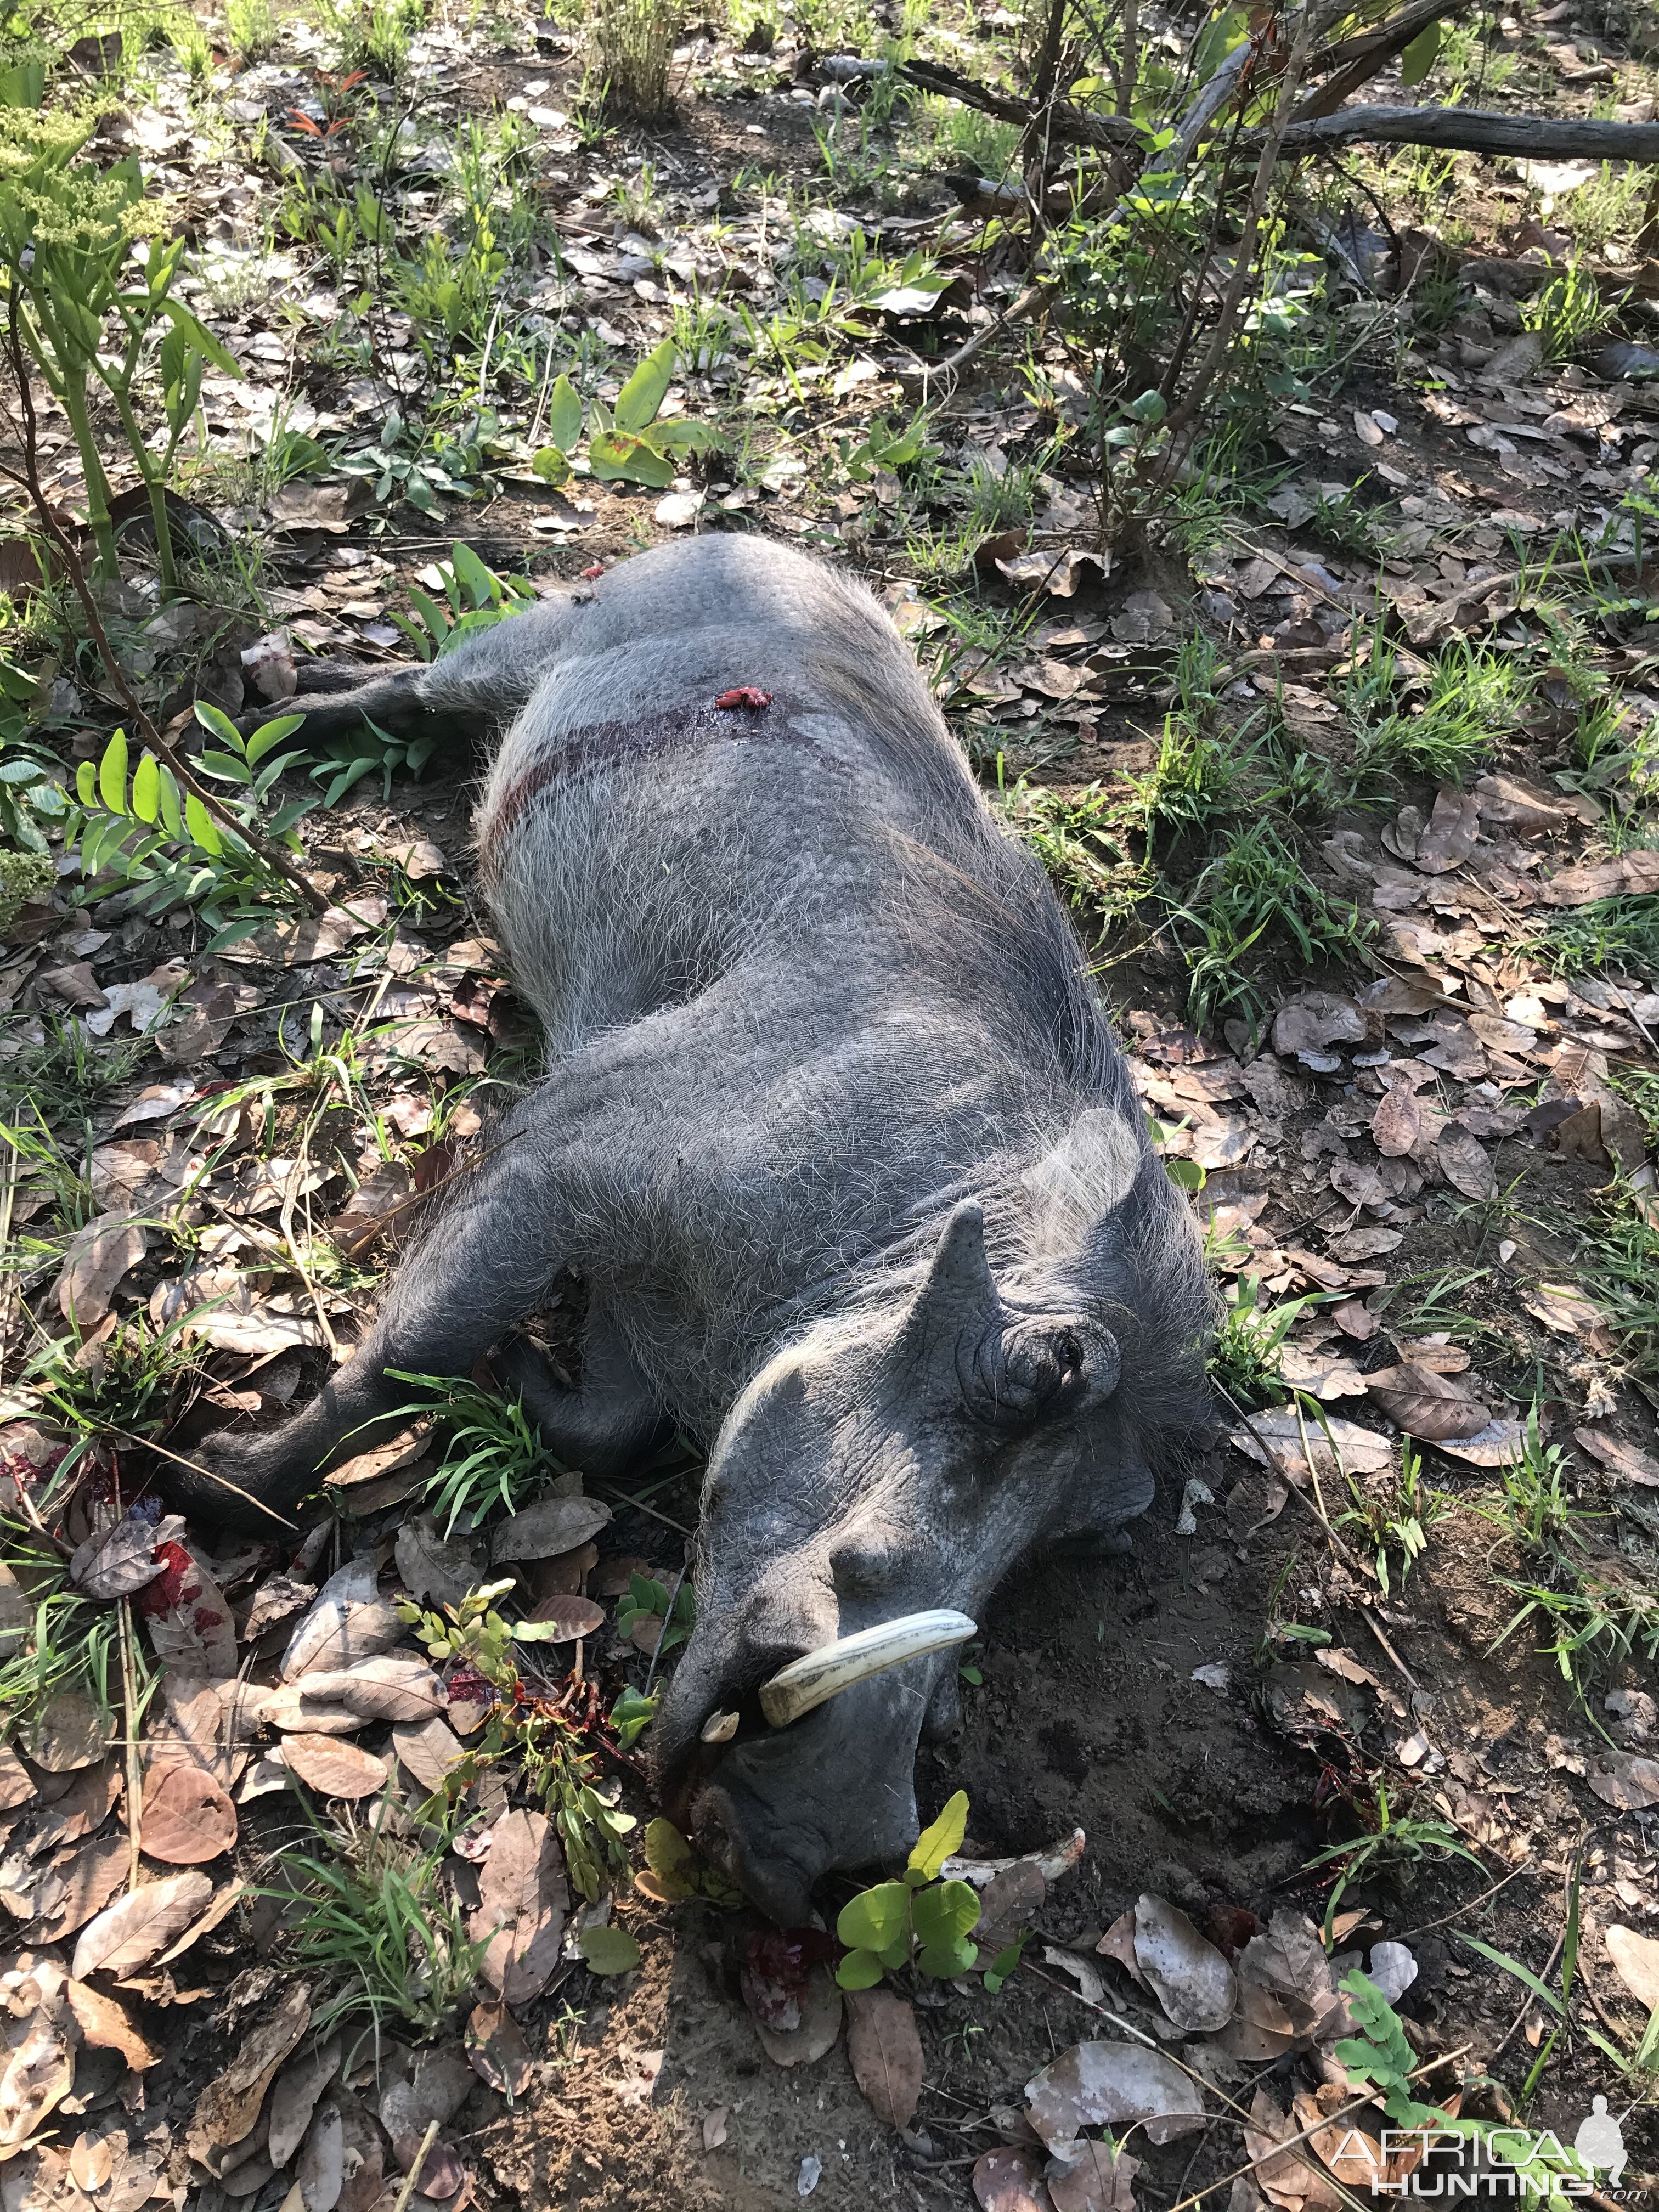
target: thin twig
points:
(415, 2165)
(130, 1709)
(667, 1623)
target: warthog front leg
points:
(485, 1262)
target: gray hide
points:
(832, 1127)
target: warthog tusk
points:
(720, 1728)
(808, 1681)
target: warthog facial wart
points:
(832, 1127)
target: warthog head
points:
(880, 1475)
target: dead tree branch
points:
(1474, 130)
(1355, 61)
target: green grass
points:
(1532, 1505)
(1392, 1849)
(1567, 313)
(1080, 840)
(375, 1916)
(1252, 903)
(493, 1452)
(1246, 1351)
(1391, 1515)
(1616, 933)
(1474, 697)
(65, 1077)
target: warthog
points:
(832, 1129)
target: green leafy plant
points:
(377, 1915)
(1248, 1349)
(1393, 1514)
(67, 232)
(137, 825)
(1533, 1506)
(1254, 897)
(920, 1920)
(493, 1452)
(626, 443)
(679, 1869)
(1567, 312)
(669, 1618)
(1392, 1845)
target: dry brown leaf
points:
(333, 1767)
(1465, 1161)
(16, 1782)
(1448, 840)
(91, 1873)
(321, 2170)
(189, 1622)
(1099, 2181)
(37, 2075)
(433, 1568)
(569, 1615)
(322, 1639)
(496, 2049)
(385, 1688)
(68, 1731)
(294, 2097)
(554, 1525)
(1397, 1123)
(134, 1931)
(227, 2108)
(1354, 2158)
(1626, 1459)
(1112, 2084)
(104, 2024)
(820, 2006)
(1623, 1780)
(277, 1597)
(220, 1906)
(98, 1257)
(440, 2084)
(399, 1451)
(1185, 1972)
(82, 1807)
(523, 1900)
(1361, 1451)
(1010, 2180)
(188, 1818)
(1563, 1308)
(885, 2053)
(1635, 1961)
(427, 1750)
(117, 1561)
(1424, 1404)
(1499, 1441)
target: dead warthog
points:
(832, 1127)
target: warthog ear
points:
(1011, 1370)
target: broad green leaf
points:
(1150, 407)
(227, 765)
(670, 1858)
(480, 581)
(646, 390)
(946, 1960)
(678, 435)
(199, 336)
(173, 817)
(1221, 35)
(24, 86)
(564, 416)
(215, 719)
(875, 1917)
(936, 1843)
(86, 784)
(1004, 1965)
(270, 733)
(204, 829)
(550, 465)
(112, 774)
(609, 1950)
(147, 788)
(1419, 58)
(858, 1970)
(617, 456)
(431, 614)
(944, 1913)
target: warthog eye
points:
(1012, 1377)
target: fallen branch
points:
(1473, 131)
(1356, 61)
(1074, 126)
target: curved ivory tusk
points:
(808, 1681)
(720, 1728)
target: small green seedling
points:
(631, 1716)
(921, 1920)
(626, 444)
(648, 1601)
